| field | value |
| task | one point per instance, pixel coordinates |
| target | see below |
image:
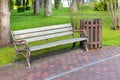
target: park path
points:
(101, 64)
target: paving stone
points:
(43, 68)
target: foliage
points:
(22, 5)
(11, 3)
(99, 6)
(18, 2)
(28, 7)
(20, 9)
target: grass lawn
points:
(28, 20)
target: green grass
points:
(24, 22)
(27, 20)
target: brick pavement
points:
(49, 67)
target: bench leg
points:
(28, 58)
(81, 44)
(85, 46)
(73, 45)
(28, 62)
(16, 58)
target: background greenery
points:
(27, 20)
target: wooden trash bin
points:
(93, 27)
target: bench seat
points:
(53, 44)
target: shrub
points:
(99, 6)
(21, 9)
(28, 7)
(18, 2)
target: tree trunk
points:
(36, 7)
(27, 3)
(119, 12)
(24, 3)
(48, 8)
(119, 3)
(74, 6)
(4, 23)
(41, 3)
(78, 1)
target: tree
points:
(114, 11)
(41, 3)
(24, 3)
(48, 8)
(119, 4)
(57, 3)
(11, 4)
(27, 5)
(27, 2)
(36, 7)
(119, 12)
(4, 23)
(74, 6)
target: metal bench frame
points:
(23, 37)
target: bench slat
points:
(52, 44)
(41, 29)
(47, 36)
(30, 35)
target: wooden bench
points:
(23, 37)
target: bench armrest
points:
(82, 33)
(21, 43)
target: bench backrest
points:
(43, 33)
